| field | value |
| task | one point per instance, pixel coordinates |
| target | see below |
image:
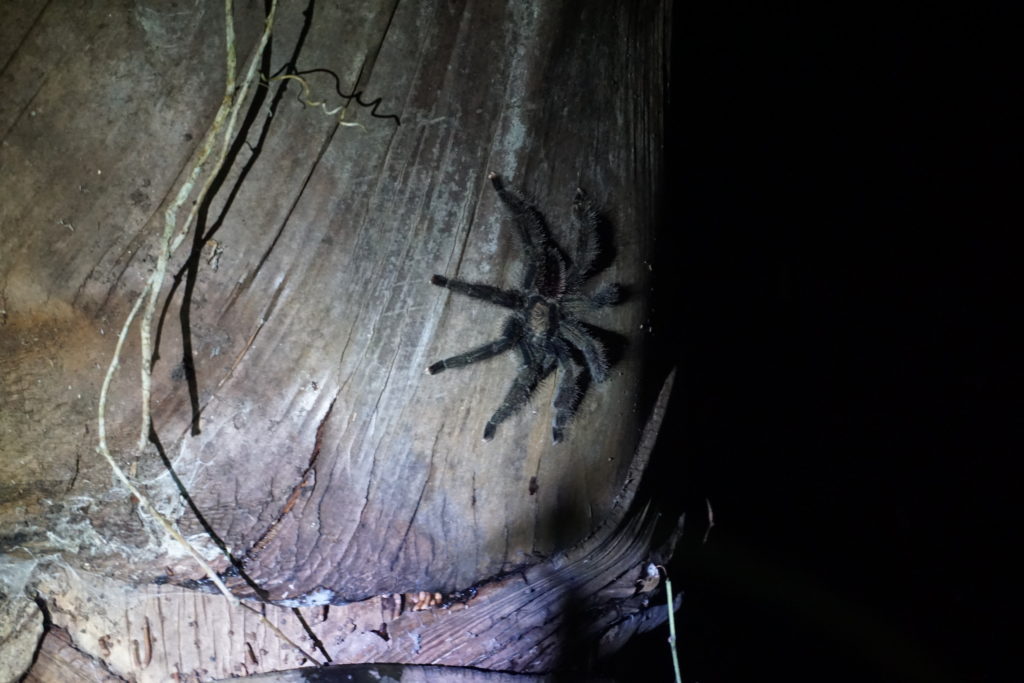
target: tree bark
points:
(292, 420)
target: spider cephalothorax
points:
(546, 325)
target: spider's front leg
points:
(510, 334)
(495, 295)
(481, 353)
(533, 232)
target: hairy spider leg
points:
(592, 350)
(520, 391)
(528, 219)
(510, 335)
(495, 295)
(608, 295)
(533, 232)
(481, 353)
(566, 396)
(578, 306)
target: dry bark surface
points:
(289, 397)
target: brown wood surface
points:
(309, 438)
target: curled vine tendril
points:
(340, 110)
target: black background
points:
(834, 286)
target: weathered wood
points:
(397, 673)
(21, 628)
(308, 437)
(573, 607)
(59, 660)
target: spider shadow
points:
(606, 249)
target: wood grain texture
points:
(59, 660)
(397, 673)
(561, 613)
(308, 436)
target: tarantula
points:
(546, 324)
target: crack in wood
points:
(302, 486)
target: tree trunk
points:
(292, 422)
